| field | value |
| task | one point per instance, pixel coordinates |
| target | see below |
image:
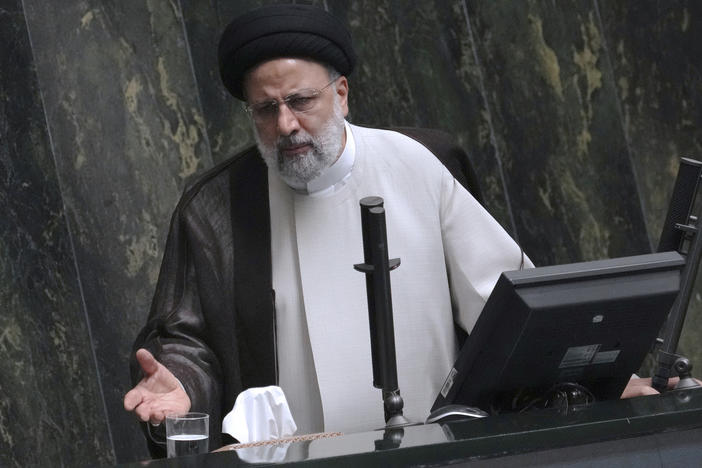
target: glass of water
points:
(187, 434)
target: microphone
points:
(377, 269)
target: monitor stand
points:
(684, 369)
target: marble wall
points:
(51, 401)
(574, 114)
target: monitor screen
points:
(589, 323)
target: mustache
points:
(294, 140)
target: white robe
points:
(452, 252)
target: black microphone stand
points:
(681, 228)
(377, 268)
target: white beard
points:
(302, 168)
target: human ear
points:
(342, 93)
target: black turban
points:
(282, 31)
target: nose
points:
(287, 121)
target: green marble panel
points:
(690, 344)
(560, 136)
(227, 124)
(123, 113)
(417, 67)
(655, 50)
(51, 407)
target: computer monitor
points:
(589, 323)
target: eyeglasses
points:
(300, 102)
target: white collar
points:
(335, 175)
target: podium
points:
(660, 430)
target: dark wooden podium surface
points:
(654, 431)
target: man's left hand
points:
(642, 386)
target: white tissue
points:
(260, 414)
(264, 453)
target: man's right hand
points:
(159, 393)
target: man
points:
(257, 286)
